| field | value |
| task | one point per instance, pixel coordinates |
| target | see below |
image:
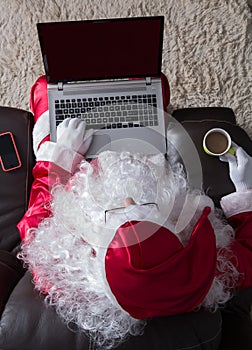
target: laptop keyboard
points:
(109, 112)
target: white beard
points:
(66, 253)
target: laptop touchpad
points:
(99, 144)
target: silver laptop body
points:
(113, 86)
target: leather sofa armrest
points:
(237, 322)
(206, 113)
(11, 271)
(15, 184)
(27, 322)
(196, 122)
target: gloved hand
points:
(240, 168)
(71, 134)
(72, 143)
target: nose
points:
(128, 201)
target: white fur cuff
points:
(237, 202)
(41, 130)
(65, 158)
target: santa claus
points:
(121, 239)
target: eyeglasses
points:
(123, 208)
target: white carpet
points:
(206, 55)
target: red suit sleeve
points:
(242, 247)
(238, 209)
(46, 175)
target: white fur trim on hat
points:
(41, 130)
(236, 203)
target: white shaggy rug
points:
(206, 55)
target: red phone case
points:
(16, 152)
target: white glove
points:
(71, 134)
(240, 168)
(72, 143)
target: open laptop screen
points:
(102, 49)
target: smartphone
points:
(9, 157)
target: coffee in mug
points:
(217, 142)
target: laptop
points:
(107, 72)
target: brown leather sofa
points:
(27, 324)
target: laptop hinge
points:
(60, 86)
(148, 81)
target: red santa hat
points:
(157, 275)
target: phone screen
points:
(9, 156)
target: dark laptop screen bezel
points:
(52, 60)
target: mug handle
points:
(231, 151)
